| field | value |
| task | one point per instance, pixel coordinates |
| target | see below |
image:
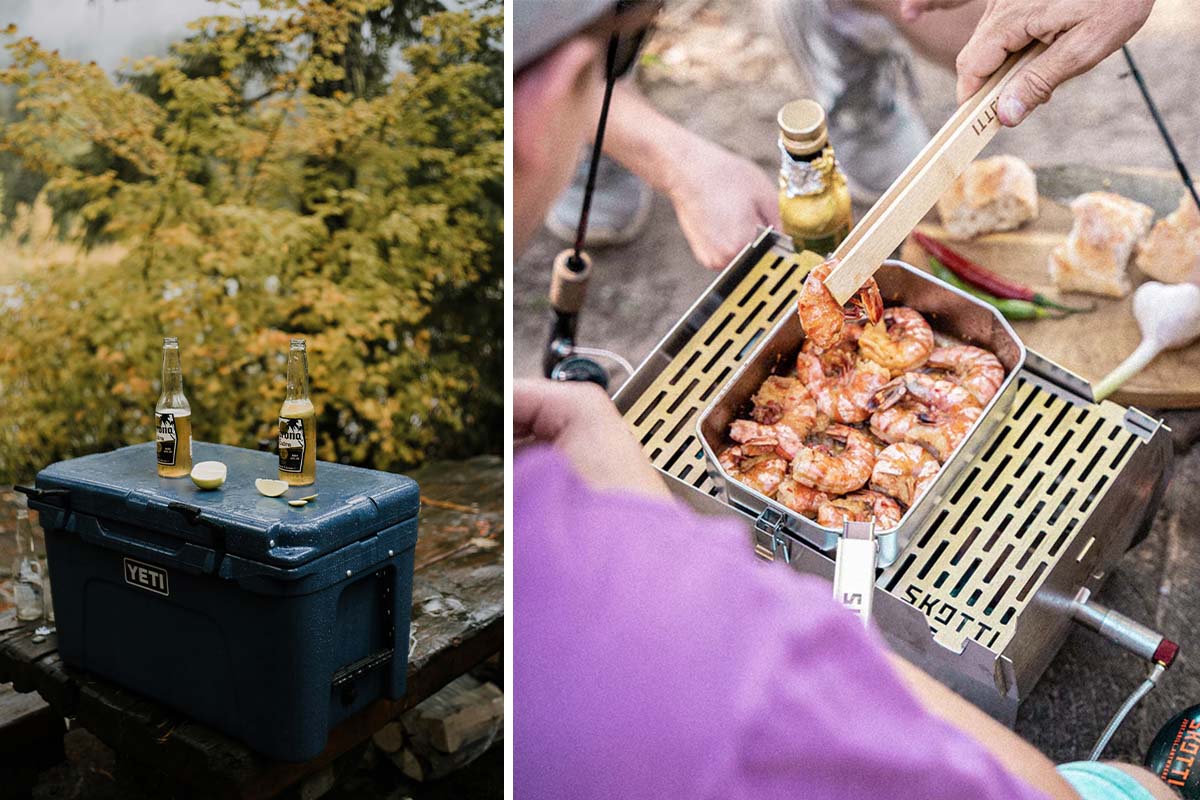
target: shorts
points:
(1094, 780)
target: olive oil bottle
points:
(297, 423)
(814, 202)
(173, 417)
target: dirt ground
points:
(728, 76)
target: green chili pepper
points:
(1015, 310)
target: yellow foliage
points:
(370, 225)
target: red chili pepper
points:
(983, 279)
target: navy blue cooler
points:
(269, 622)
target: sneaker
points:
(862, 76)
(620, 205)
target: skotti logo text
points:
(146, 576)
(986, 118)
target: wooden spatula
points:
(930, 174)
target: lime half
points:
(209, 474)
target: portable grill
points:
(983, 591)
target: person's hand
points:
(581, 421)
(1082, 33)
(720, 199)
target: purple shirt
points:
(654, 657)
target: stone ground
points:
(725, 76)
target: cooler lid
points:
(123, 486)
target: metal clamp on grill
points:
(980, 580)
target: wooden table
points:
(458, 622)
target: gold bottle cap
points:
(802, 127)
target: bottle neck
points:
(172, 378)
(297, 375)
(807, 158)
(24, 534)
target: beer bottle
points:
(173, 417)
(297, 423)
(26, 572)
(814, 202)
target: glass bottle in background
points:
(173, 417)
(814, 202)
(39, 548)
(27, 572)
(297, 423)
(47, 598)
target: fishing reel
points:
(564, 359)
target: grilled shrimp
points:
(822, 319)
(842, 383)
(904, 471)
(839, 460)
(902, 342)
(861, 506)
(762, 473)
(802, 499)
(757, 439)
(785, 401)
(976, 370)
(936, 414)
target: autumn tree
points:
(277, 174)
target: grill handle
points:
(854, 566)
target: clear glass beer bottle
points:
(26, 572)
(297, 423)
(173, 417)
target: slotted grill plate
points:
(1011, 516)
(664, 416)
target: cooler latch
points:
(47, 495)
(195, 516)
(768, 536)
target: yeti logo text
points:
(146, 576)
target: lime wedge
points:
(209, 474)
(310, 497)
(270, 488)
(297, 503)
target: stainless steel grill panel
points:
(663, 417)
(1012, 515)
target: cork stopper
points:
(567, 287)
(802, 127)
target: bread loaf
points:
(993, 194)
(1171, 253)
(1096, 253)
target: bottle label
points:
(293, 440)
(167, 439)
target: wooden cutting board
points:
(1091, 344)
